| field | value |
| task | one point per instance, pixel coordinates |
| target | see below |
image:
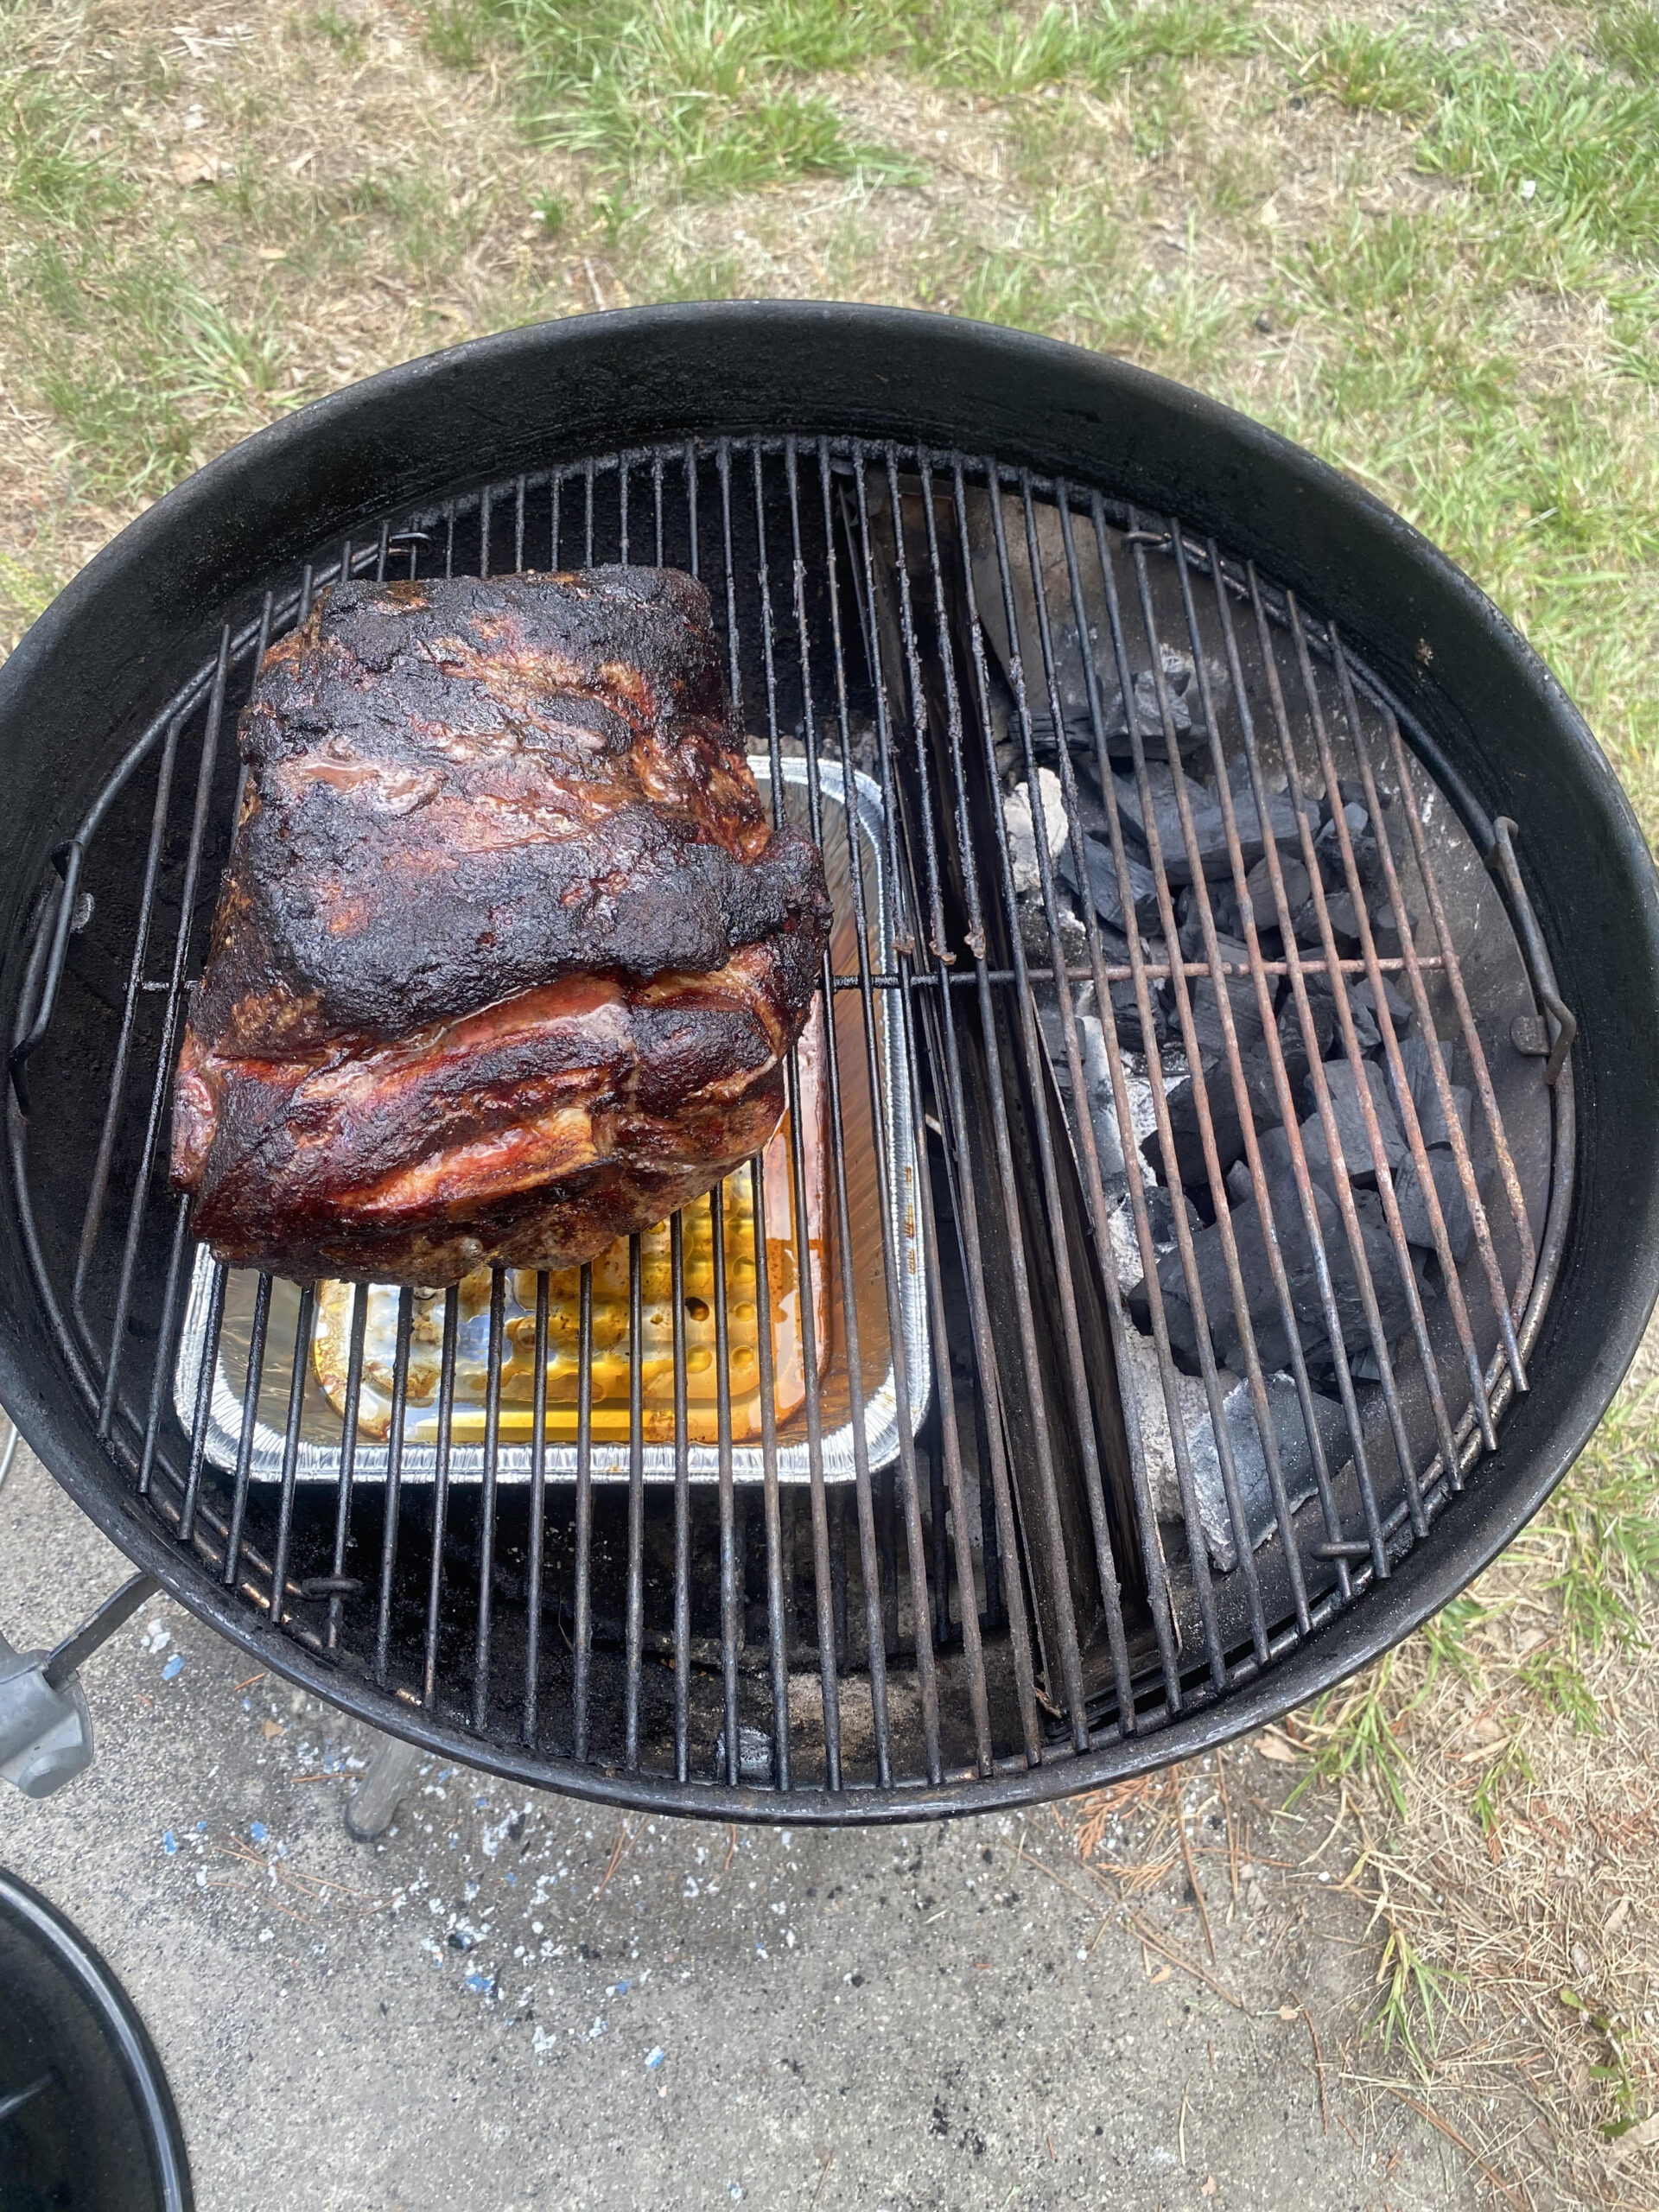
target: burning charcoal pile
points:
(1186, 1182)
(1300, 1041)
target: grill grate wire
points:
(924, 1625)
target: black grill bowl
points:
(1480, 713)
(88, 2121)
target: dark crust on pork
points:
(458, 789)
(508, 955)
(530, 1134)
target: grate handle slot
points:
(1504, 865)
(53, 943)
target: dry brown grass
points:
(346, 192)
(1508, 1839)
(1508, 1887)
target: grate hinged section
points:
(1187, 1143)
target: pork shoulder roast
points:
(508, 955)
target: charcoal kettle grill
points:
(1047, 1515)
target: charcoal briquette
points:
(1259, 886)
(1425, 1092)
(1226, 1336)
(1185, 708)
(1383, 1266)
(1223, 906)
(1283, 1195)
(1387, 935)
(1368, 852)
(1362, 1005)
(1178, 1316)
(1190, 1166)
(1328, 845)
(1454, 1206)
(1260, 1080)
(1363, 999)
(1322, 1009)
(1296, 1252)
(1206, 1009)
(1209, 825)
(1343, 1083)
(1344, 925)
(1126, 1017)
(1160, 1215)
(1296, 1465)
(1273, 1149)
(1103, 885)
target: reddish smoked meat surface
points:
(508, 954)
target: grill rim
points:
(293, 467)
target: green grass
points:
(143, 412)
(340, 31)
(1429, 387)
(1042, 139)
(1353, 1734)
(1562, 1688)
(704, 91)
(1415, 1998)
(223, 363)
(1424, 329)
(1072, 268)
(1607, 1515)
(1627, 37)
(1572, 142)
(96, 318)
(1509, 1767)
(1447, 1638)
(458, 32)
(713, 146)
(1054, 272)
(707, 94)
(1612, 2070)
(1587, 145)
(138, 364)
(1421, 324)
(47, 172)
(26, 587)
(1362, 68)
(1003, 54)
(428, 232)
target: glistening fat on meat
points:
(508, 957)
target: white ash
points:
(1022, 836)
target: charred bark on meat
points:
(508, 954)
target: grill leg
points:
(372, 1806)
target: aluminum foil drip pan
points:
(849, 1174)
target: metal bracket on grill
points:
(45, 1729)
(1502, 863)
(69, 914)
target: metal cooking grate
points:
(1090, 1524)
